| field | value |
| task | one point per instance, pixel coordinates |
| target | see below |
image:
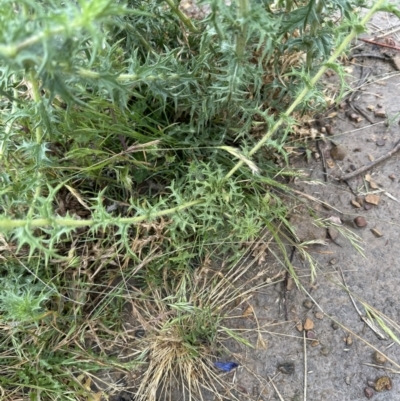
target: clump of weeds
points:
(138, 146)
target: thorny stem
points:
(243, 11)
(8, 224)
(39, 134)
(303, 93)
(185, 20)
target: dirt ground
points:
(334, 362)
(335, 366)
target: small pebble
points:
(380, 113)
(372, 199)
(322, 130)
(368, 206)
(333, 233)
(319, 315)
(354, 117)
(307, 303)
(392, 177)
(287, 368)
(379, 358)
(325, 351)
(348, 380)
(355, 203)
(349, 340)
(338, 152)
(368, 392)
(383, 383)
(371, 383)
(289, 284)
(308, 324)
(329, 129)
(334, 326)
(333, 261)
(360, 200)
(314, 343)
(360, 221)
(299, 326)
(311, 335)
(380, 142)
(376, 232)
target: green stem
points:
(185, 20)
(241, 38)
(9, 224)
(304, 92)
(39, 135)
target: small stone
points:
(349, 340)
(383, 383)
(289, 284)
(333, 261)
(373, 184)
(330, 163)
(329, 129)
(308, 324)
(380, 113)
(371, 107)
(380, 142)
(307, 303)
(334, 326)
(322, 130)
(299, 326)
(360, 200)
(368, 206)
(325, 351)
(347, 380)
(311, 335)
(355, 203)
(338, 152)
(354, 117)
(376, 232)
(368, 392)
(379, 105)
(371, 158)
(371, 383)
(379, 358)
(319, 315)
(360, 221)
(333, 233)
(287, 368)
(392, 177)
(314, 343)
(372, 199)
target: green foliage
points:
(121, 126)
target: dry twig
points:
(366, 167)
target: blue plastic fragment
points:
(226, 366)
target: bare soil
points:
(336, 366)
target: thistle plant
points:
(134, 146)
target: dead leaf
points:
(248, 312)
(261, 343)
(77, 196)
